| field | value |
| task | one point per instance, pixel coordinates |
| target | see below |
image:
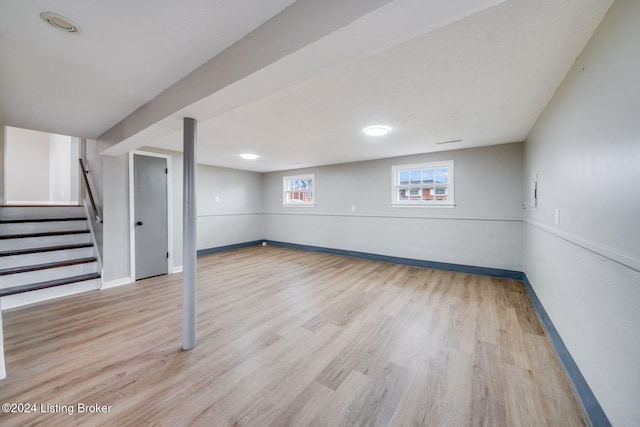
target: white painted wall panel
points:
(96, 177)
(585, 149)
(61, 169)
(593, 303)
(495, 244)
(223, 230)
(484, 228)
(27, 165)
(229, 206)
(116, 225)
(3, 132)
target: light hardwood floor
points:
(291, 338)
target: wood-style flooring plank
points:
(290, 338)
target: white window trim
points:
(284, 191)
(450, 203)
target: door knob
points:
(139, 223)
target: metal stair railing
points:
(85, 174)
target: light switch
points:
(557, 216)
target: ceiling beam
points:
(305, 39)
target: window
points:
(425, 184)
(298, 190)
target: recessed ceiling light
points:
(377, 130)
(59, 22)
(249, 156)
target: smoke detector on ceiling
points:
(59, 22)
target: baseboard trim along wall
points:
(589, 402)
(459, 268)
(225, 248)
(117, 282)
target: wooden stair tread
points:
(44, 266)
(45, 249)
(28, 220)
(43, 234)
(48, 284)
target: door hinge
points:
(166, 170)
(167, 255)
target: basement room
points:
(320, 213)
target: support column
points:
(190, 150)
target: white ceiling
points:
(125, 54)
(482, 76)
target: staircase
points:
(45, 252)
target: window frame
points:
(396, 186)
(286, 203)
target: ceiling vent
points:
(59, 22)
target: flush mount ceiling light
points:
(376, 130)
(59, 22)
(249, 156)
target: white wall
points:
(3, 132)
(59, 178)
(484, 229)
(585, 270)
(235, 218)
(27, 165)
(229, 206)
(40, 167)
(93, 163)
(116, 227)
(74, 169)
(63, 170)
